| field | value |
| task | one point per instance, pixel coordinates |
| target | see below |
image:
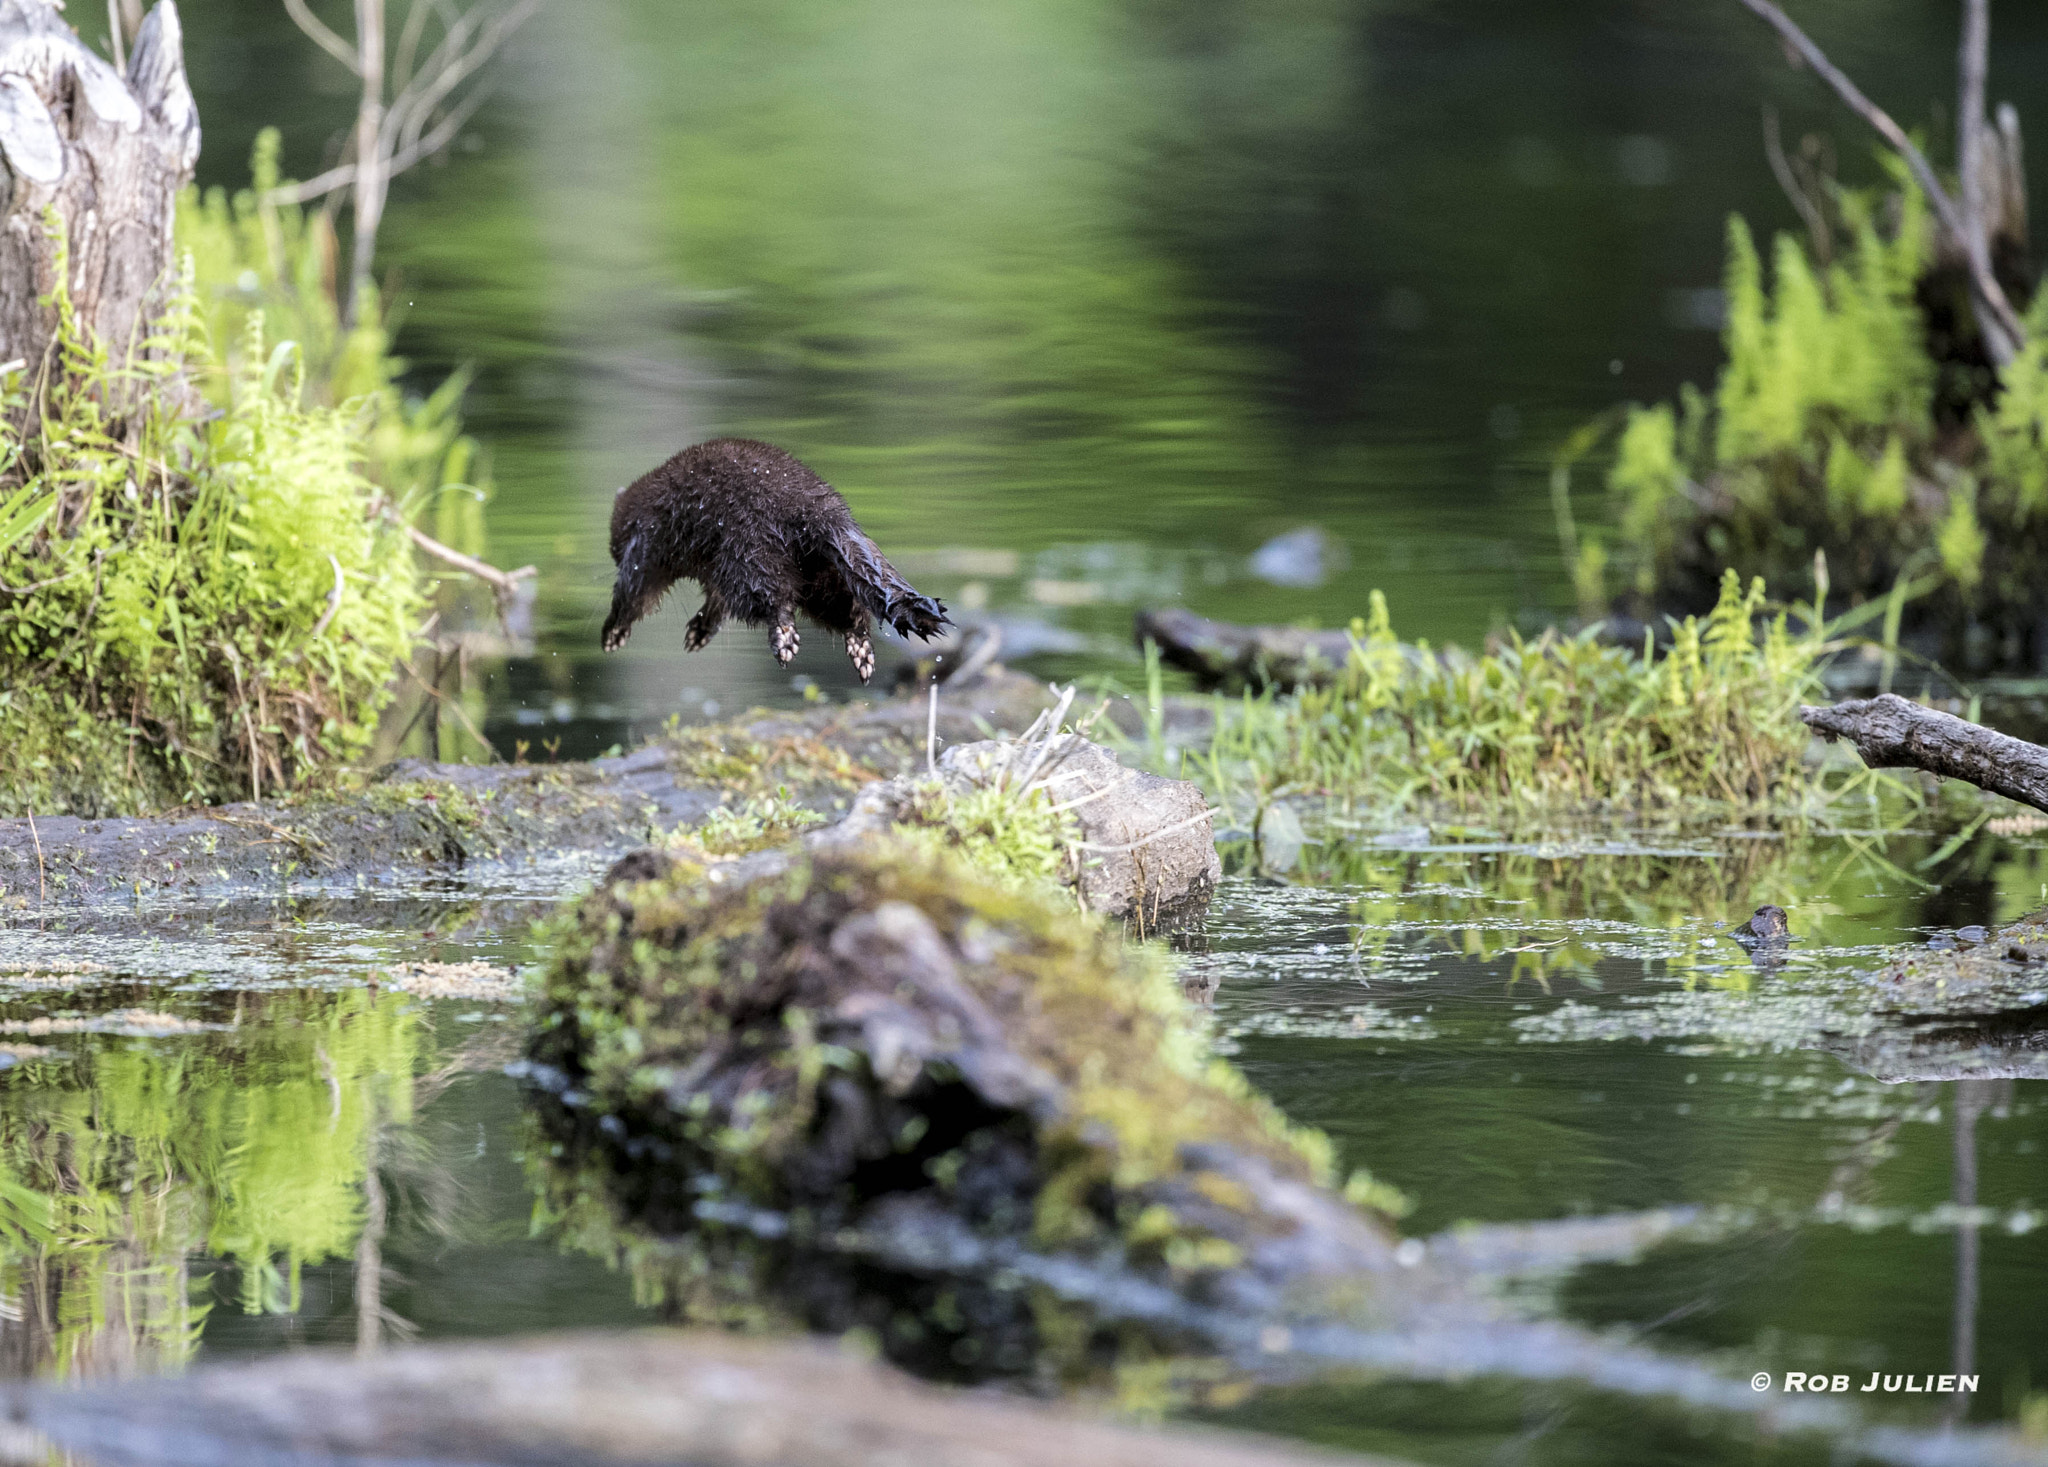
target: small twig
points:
(1076, 803)
(453, 705)
(303, 17)
(1781, 169)
(931, 731)
(1135, 845)
(983, 654)
(505, 583)
(41, 585)
(333, 602)
(42, 884)
(1972, 56)
(114, 36)
(2003, 332)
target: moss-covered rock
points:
(885, 1081)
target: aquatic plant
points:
(754, 824)
(1554, 721)
(198, 607)
(1836, 428)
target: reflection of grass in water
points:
(250, 1145)
(1549, 906)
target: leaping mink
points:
(766, 538)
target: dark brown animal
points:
(766, 538)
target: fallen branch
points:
(2004, 334)
(504, 583)
(1222, 655)
(1891, 732)
(706, 1397)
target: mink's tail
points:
(887, 596)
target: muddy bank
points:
(416, 818)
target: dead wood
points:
(107, 151)
(1891, 732)
(704, 1398)
(1222, 655)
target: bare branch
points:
(1781, 168)
(444, 79)
(502, 582)
(1891, 733)
(409, 41)
(1971, 59)
(336, 179)
(2000, 323)
(303, 16)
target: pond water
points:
(233, 1134)
(1081, 304)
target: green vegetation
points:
(1833, 429)
(1003, 831)
(195, 607)
(755, 824)
(1556, 722)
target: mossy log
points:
(415, 818)
(913, 1098)
(107, 151)
(645, 1399)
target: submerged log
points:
(108, 152)
(880, 1090)
(645, 1399)
(1891, 732)
(1222, 655)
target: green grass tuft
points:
(1554, 722)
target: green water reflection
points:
(1106, 292)
(273, 1165)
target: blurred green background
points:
(1107, 292)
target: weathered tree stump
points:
(106, 153)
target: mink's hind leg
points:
(784, 639)
(860, 650)
(704, 625)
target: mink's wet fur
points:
(766, 538)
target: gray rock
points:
(1148, 849)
